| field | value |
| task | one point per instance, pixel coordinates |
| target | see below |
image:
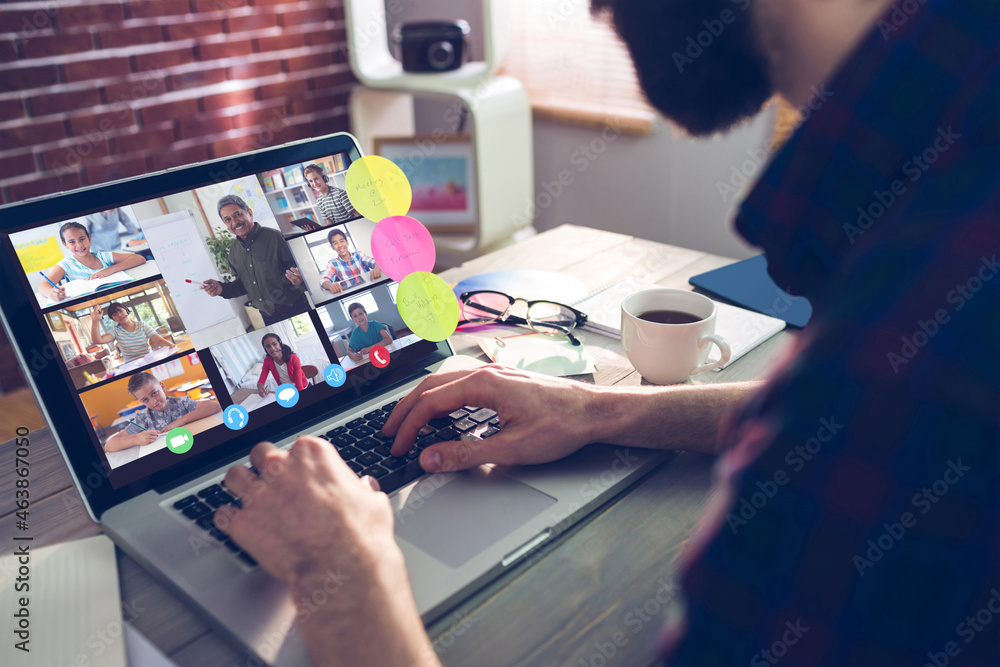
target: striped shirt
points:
(349, 273)
(336, 206)
(134, 343)
(76, 270)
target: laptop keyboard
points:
(365, 450)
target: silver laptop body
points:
(457, 531)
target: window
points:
(574, 66)
(392, 290)
(364, 298)
(325, 319)
(301, 325)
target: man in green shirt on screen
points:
(263, 263)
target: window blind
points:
(574, 67)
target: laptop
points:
(203, 356)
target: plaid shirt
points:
(857, 516)
(349, 273)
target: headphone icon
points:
(315, 167)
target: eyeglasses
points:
(547, 317)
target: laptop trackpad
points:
(466, 515)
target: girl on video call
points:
(83, 264)
(282, 363)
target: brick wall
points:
(95, 91)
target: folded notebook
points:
(747, 284)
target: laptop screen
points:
(189, 315)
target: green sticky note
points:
(428, 306)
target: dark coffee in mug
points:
(669, 317)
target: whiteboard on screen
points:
(179, 247)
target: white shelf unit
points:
(498, 121)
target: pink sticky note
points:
(402, 245)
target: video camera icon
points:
(179, 440)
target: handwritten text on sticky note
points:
(402, 245)
(378, 188)
(428, 306)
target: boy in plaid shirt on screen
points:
(347, 269)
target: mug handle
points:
(723, 348)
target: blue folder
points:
(747, 284)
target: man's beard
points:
(697, 60)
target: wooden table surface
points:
(598, 596)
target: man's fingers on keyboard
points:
(224, 516)
(437, 402)
(265, 457)
(405, 405)
(238, 480)
(461, 454)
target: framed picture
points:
(442, 175)
(56, 322)
(68, 352)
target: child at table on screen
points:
(162, 413)
(83, 264)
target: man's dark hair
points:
(232, 199)
(354, 306)
(140, 380)
(114, 308)
(334, 232)
(698, 61)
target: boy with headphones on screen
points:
(332, 202)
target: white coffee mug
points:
(670, 353)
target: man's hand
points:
(293, 276)
(376, 274)
(328, 535)
(333, 287)
(212, 287)
(542, 418)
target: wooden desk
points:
(612, 575)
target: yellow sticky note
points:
(427, 305)
(38, 255)
(378, 188)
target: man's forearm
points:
(689, 417)
(233, 289)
